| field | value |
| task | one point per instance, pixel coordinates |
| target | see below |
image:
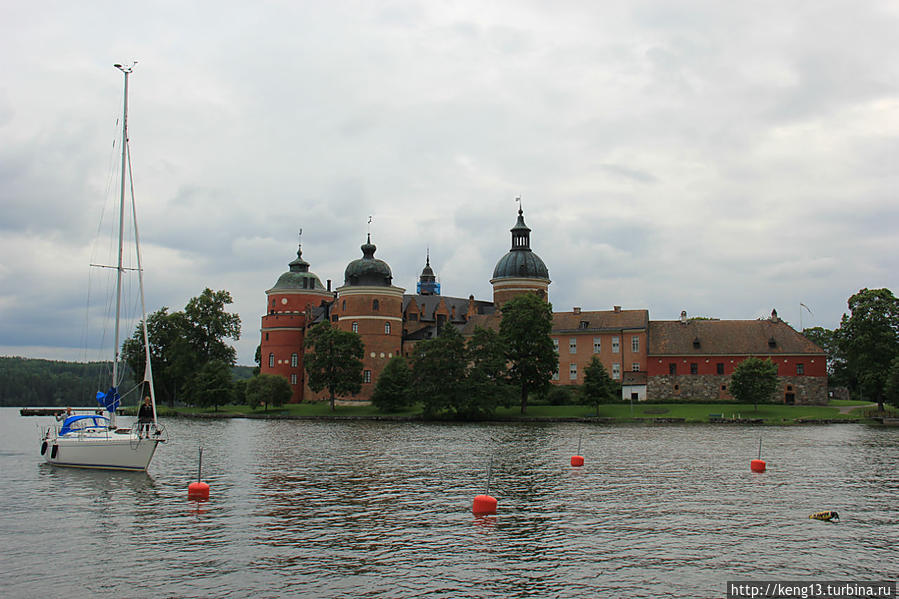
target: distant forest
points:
(27, 382)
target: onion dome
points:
(520, 261)
(298, 277)
(368, 270)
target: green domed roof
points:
(368, 270)
(298, 277)
(520, 261)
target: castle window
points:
(293, 379)
(584, 324)
(694, 368)
(556, 345)
(294, 359)
(355, 327)
(615, 345)
(334, 318)
(635, 344)
(572, 345)
(375, 305)
(343, 305)
(266, 336)
(597, 345)
(386, 328)
(413, 316)
(635, 367)
(672, 368)
(800, 368)
(556, 375)
(572, 371)
(719, 367)
(366, 376)
(616, 371)
(271, 360)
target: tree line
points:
(863, 352)
(28, 382)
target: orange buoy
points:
(577, 460)
(198, 490)
(757, 465)
(484, 505)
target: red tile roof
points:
(727, 337)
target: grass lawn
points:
(689, 412)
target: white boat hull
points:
(110, 452)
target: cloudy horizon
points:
(721, 159)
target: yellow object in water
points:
(825, 516)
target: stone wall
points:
(806, 390)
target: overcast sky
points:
(716, 157)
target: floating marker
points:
(825, 516)
(485, 505)
(759, 464)
(578, 460)
(199, 489)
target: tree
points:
(828, 340)
(393, 389)
(869, 340)
(211, 385)
(754, 380)
(210, 324)
(524, 329)
(598, 385)
(891, 388)
(438, 371)
(488, 374)
(335, 360)
(267, 389)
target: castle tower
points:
(369, 304)
(289, 304)
(520, 270)
(427, 282)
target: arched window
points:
(386, 328)
(355, 327)
(343, 306)
(375, 305)
(294, 359)
(271, 360)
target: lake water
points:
(375, 509)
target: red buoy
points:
(577, 460)
(757, 465)
(198, 490)
(484, 505)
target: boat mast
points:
(119, 269)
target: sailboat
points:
(94, 440)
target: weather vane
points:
(300, 236)
(369, 224)
(518, 199)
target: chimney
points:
(616, 308)
(576, 310)
(774, 317)
(683, 317)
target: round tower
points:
(369, 304)
(520, 270)
(427, 282)
(289, 305)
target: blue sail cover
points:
(109, 400)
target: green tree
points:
(267, 389)
(334, 361)
(525, 328)
(212, 385)
(211, 324)
(869, 340)
(393, 389)
(438, 372)
(828, 340)
(754, 380)
(598, 385)
(891, 388)
(173, 360)
(488, 374)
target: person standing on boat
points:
(145, 418)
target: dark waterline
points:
(369, 509)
